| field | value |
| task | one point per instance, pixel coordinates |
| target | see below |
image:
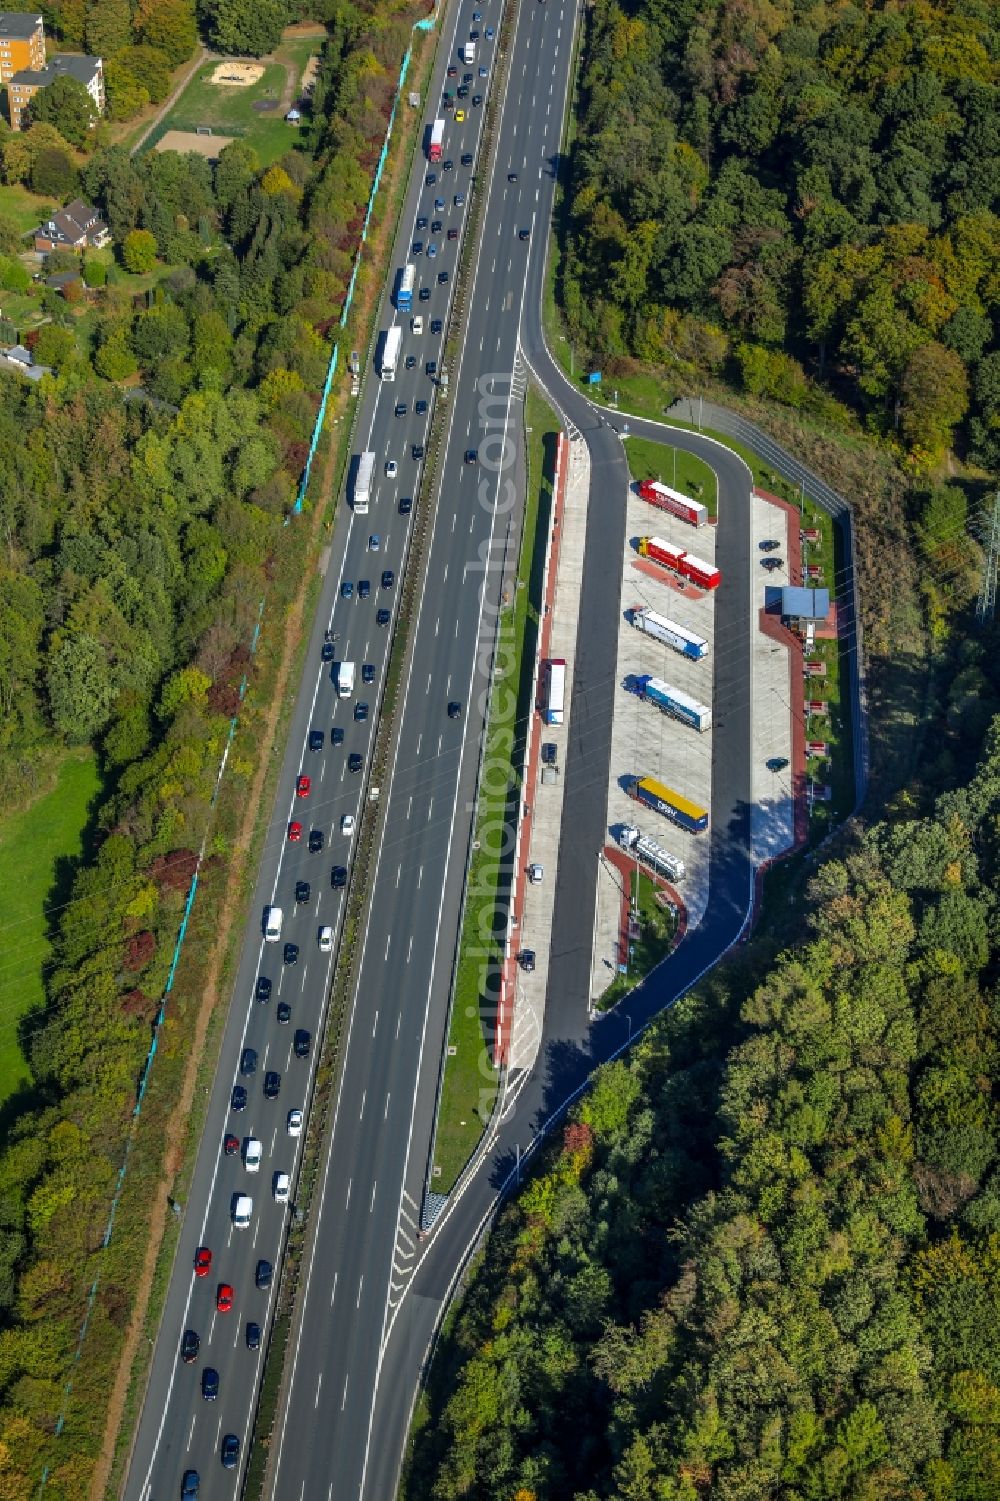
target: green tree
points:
(108, 27)
(54, 346)
(126, 96)
(65, 104)
(80, 689)
(139, 251)
(169, 26)
(53, 172)
(238, 26)
(934, 395)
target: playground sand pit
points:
(238, 75)
(208, 146)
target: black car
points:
(420, 407)
(512, 177)
(263, 991)
(239, 1098)
(411, 360)
(471, 455)
(382, 617)
(361, 711)
(449, 101)
(431, 367)
(452, 71)
(418, 247)
(364, 588)
(467, 159)
(209, 1384)
(283, 1015)
(190, 1345)
(453, 233)
(442, 278)
(463, 91)
(435, 325)
(459, 199)
(388, 578)
(327, 652)
(302, 1043)
(291, 954)
(316, 838)
(468, 77)
(405, 505)
(431, 179)
(262, 1276)
(402, 407)
(336, 735)
(417, 450)
(772, 563)
(770, 545)
(272, 1084)
(368, 672)
(425, 294)
(317, 740)
(777, 763)
(253, 1336)
(449, 166)
(526, 958)
(354, 762)
(523, 234)
(248, 1062)
(338, 877)
(548, 754)
(422, 222)
(302, 891)
(477, 100)
(230, 1451)
(454, 710)
(437, 227)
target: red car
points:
(294, 833)
(230, 1144)
(202, 1261)
(303, 786)
(224, 1301)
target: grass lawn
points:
(24, 209)
(36, 844)
(230, 111)
(675, 467)
(655, 939)
(469, 1087)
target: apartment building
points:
(22, 42)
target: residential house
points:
(22, 42)
(24, 85)
(23, 361)
(75, 227)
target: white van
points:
(345, 679)
(242, 1210)
(272, 924)
(252, 1152)
(281, 1188)
(417, 323)
(326, 940)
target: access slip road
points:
(371, 1293)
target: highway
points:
(371, 1292)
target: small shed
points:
(294, 116)
(804, 605)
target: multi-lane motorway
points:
(371, 1291)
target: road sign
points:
(594, 378)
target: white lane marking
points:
(360, 1287)
(361, 1112)
(350, 1185)
(319, 1383)
(387, 943)
(409, 948)
(371, 1206)
(430, 809)
(385, 1113)
(333, 1290)
(420, 877)
(375, 1024)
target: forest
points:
(139, 537)
(801, 196)
(763, 1256)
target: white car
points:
(391, 469)
(326, 940)
(347, 824)
(252, 1154)
(295, 1122)
(281, 1188)
(535, 874)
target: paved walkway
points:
(202, 55)
(542, 808)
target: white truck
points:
(272, 924)
(390, 351)
(469, 53)
(650, 853)
(344, 674)
(242, 1211)
(417, 323)
(363, 483)
(650, 623)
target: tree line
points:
(803, 196)
(762, 1258)
(139, 536)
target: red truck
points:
(706, 575)
(671, 500)
(661, 552)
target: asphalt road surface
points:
(371, 1292)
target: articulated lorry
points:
(390, 352)
(663, 799)
(675, 703)
(437, 141)
(650, 853)
(673, 501)
(660, 628)
(363, 483)
(404, 291)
